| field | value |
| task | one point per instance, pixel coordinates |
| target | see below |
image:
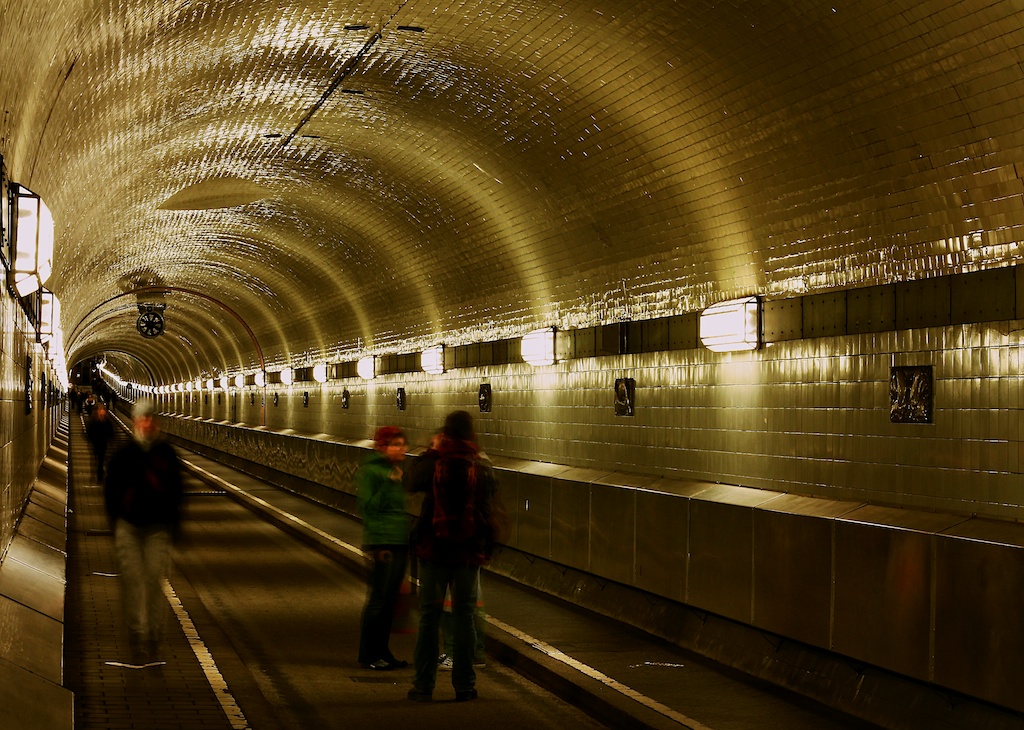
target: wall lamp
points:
(260, 379)
(538, 347)
(367, 367)
(287, 376)
(33, 242)
(239, 381)
(432, 360)
(732, 326)
(49, 315)
(209, 384)
(320, 373)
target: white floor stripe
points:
(290, 517)
(595, 674)
(213, 675)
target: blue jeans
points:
(144, 558)
(385, 583)
(435, 579)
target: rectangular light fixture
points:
(538, 347)
(432, 360)
(367, 367)
(732, 326)
(49, 315)
(33, 242)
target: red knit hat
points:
(386, 434)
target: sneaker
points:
(444, 663)
(416, 696)
(465, 695)
(381, 665)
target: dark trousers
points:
(386, 577)
(462, 581)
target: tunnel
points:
(733, 292)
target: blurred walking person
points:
(143, 493)
(99, 430)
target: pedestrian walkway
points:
(108, 694)
(621, 676)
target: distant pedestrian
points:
(381, 495)
(143, 494)
(99, 430)
(453, 537)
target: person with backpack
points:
(452, 538)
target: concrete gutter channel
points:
(601, 702)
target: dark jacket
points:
(144, 487)
(455, 523)
(99, 432)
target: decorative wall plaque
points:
(910, 394)
(484, 396)
(625, 392)
(400, 399)
(344, 398)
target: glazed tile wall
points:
(23, 437)
(808, 416)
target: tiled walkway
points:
(109, 697)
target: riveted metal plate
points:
(872, 309)
(923, 303)
(682, 332)
(782, 320)
(983, 296)
(825, 315)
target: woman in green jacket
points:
(381, 497)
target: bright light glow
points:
(320, 373)
(261, 379)
(209, 384)
(432, 360)
(239, 380)
(539, 347)
(199, 383)
(731, 326)
(287, 376)
(189, 386)
(49, 314)
(33, 254)
(367, 367)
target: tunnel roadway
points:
(266, 629)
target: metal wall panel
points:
(662, 536)
(883, 567)
(613, 525)
(872, 309)
(682, 331)
(656, 334)
(983, 296)
(924, 303)
(979, 635)
(825, 314)
(720, 577)
(782, 320)
(534, 507)
(506, 472)
(793, 566)
(570, 516)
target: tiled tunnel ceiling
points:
(300, 181)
